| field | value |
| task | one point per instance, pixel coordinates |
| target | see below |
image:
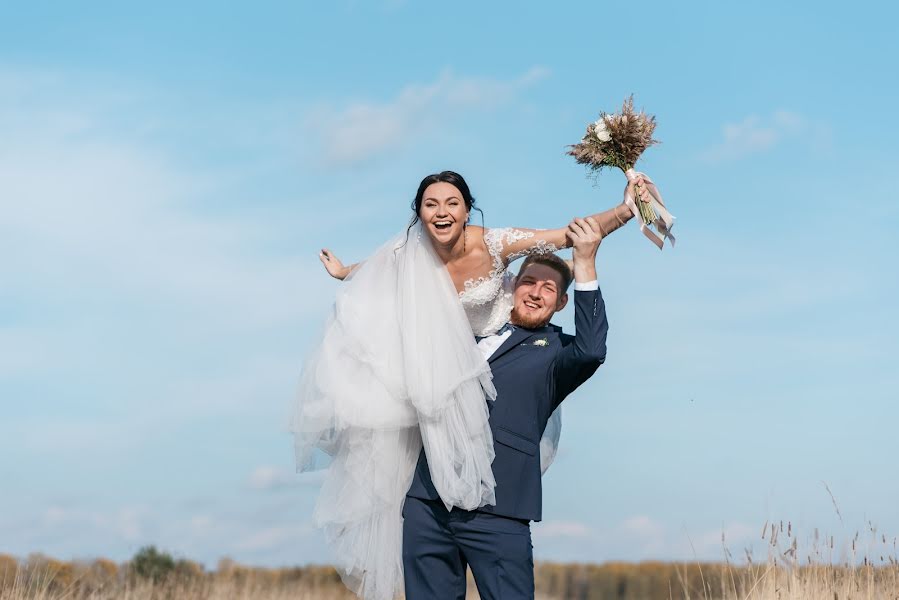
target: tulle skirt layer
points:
(395, 370)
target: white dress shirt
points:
(491, 343)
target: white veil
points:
(396, 367)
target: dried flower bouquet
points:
(618, 140)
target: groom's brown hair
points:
(554, 262)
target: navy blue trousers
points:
(438, 546)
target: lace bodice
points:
(488, 300)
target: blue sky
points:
(167, 176)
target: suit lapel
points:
(519, 335)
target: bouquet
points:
(618, 140)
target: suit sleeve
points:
(579, 360)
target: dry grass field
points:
(865, 568)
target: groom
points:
(535, 366)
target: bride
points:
(398, 369)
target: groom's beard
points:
(526, 321)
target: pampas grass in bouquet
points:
(618, 140)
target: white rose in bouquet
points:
(601, 131)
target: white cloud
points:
(705, 544)
(561, 529)
(272, 538)
(637, 538)
(252, 535)
(361, 130)
(271, 478)
(201, 524)
(127, 523)
(756, 134)
(643, 526)
(113, 252)
(734, 535)
(21, 351)
(131, 306)
(90, 211)
(86, 217)
(55, 435)
(268, 477)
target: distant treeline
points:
(151, 570)
(153, 574)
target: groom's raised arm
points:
(580, 359)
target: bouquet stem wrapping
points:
(652, 213)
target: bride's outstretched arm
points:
(529, 241)
(335, 268)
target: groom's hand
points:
(585, 236)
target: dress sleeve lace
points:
(508, 244)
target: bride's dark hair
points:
(450, 177)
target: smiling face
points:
(538, 295)
(443, 213)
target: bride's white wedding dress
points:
(396, 370)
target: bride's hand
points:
(638, 189)
(332, 264)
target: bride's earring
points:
(464, 236)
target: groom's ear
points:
(563, 302)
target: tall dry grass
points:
(864, 567)
(42, 578)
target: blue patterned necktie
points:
(502, 330)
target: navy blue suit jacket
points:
(533, 371)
